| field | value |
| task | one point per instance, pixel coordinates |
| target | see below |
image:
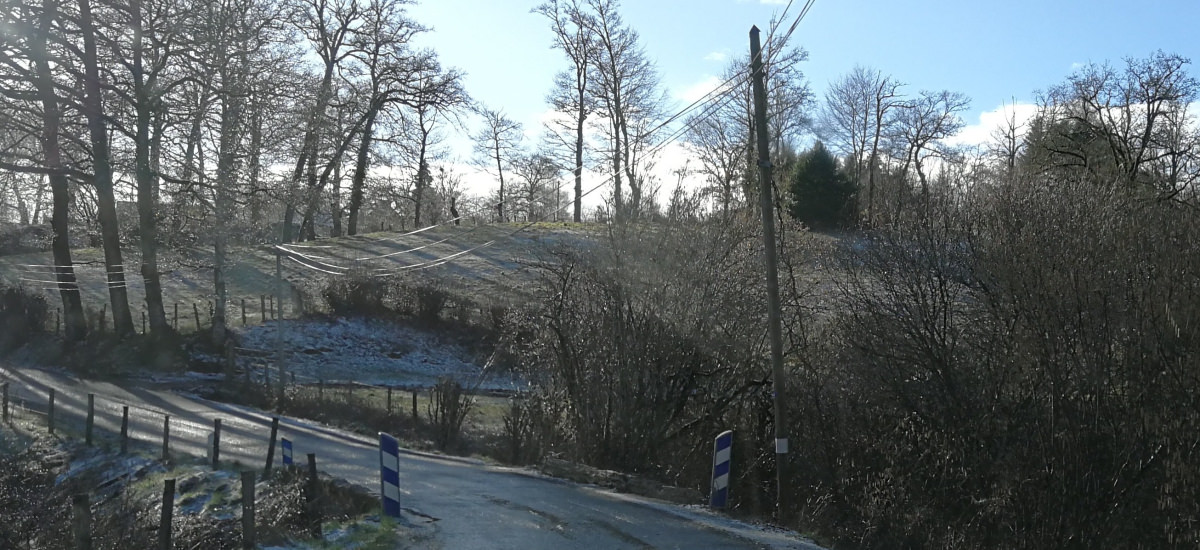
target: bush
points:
(23, 314)
(357, 293)
(448, 408)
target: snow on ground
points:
(373, 351)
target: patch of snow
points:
(370, 351)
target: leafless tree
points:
(572, 31)
(496, 147)
(854, 118)
(630, 100)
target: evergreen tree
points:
(821, 195)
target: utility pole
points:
(767, 203)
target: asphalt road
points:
(450, 503)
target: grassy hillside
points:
(496, 271)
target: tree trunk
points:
(419, 188)
(93, 107)
(75, 324)
(147, 187)
(360, 172)
(580, 122)
(231, 114)
(500, 174)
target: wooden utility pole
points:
(767, 203)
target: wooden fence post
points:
(5, 408)
(50, 412)
(168, 508)
(175, 319)
(143, 322)
(91, 419)
(216, 447)
(57, 320)
(243, 312)
(248, 530)
(414, 405)
(124, 429)
(166, 444)
(271, 445)
(310, 498)
(196, 314)
(262, 307)
(81, 521)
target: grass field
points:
(488, 262)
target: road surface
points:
(453, 503)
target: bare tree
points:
(923, 121)
(382, 49)
(496, 146)
(537, 175)
(854, 119)
(1126, 125)
(571, 24)
(629, 98)
(93, 108)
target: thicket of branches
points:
(1005, 359)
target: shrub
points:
(22, 315)
(356, 293)
(448, 408)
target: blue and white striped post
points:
(286, 445)
(389, 475)
(722, 452)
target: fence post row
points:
(722, 455)
(389, 475)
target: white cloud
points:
(989, 122)
(698, 90)
(718, 57)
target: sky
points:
(996, 53)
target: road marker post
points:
(722, 455)
(285, 445)
(389, 475)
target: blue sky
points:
(994, 52)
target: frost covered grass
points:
(374, 352)
(39, 474)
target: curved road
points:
(448, 502)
